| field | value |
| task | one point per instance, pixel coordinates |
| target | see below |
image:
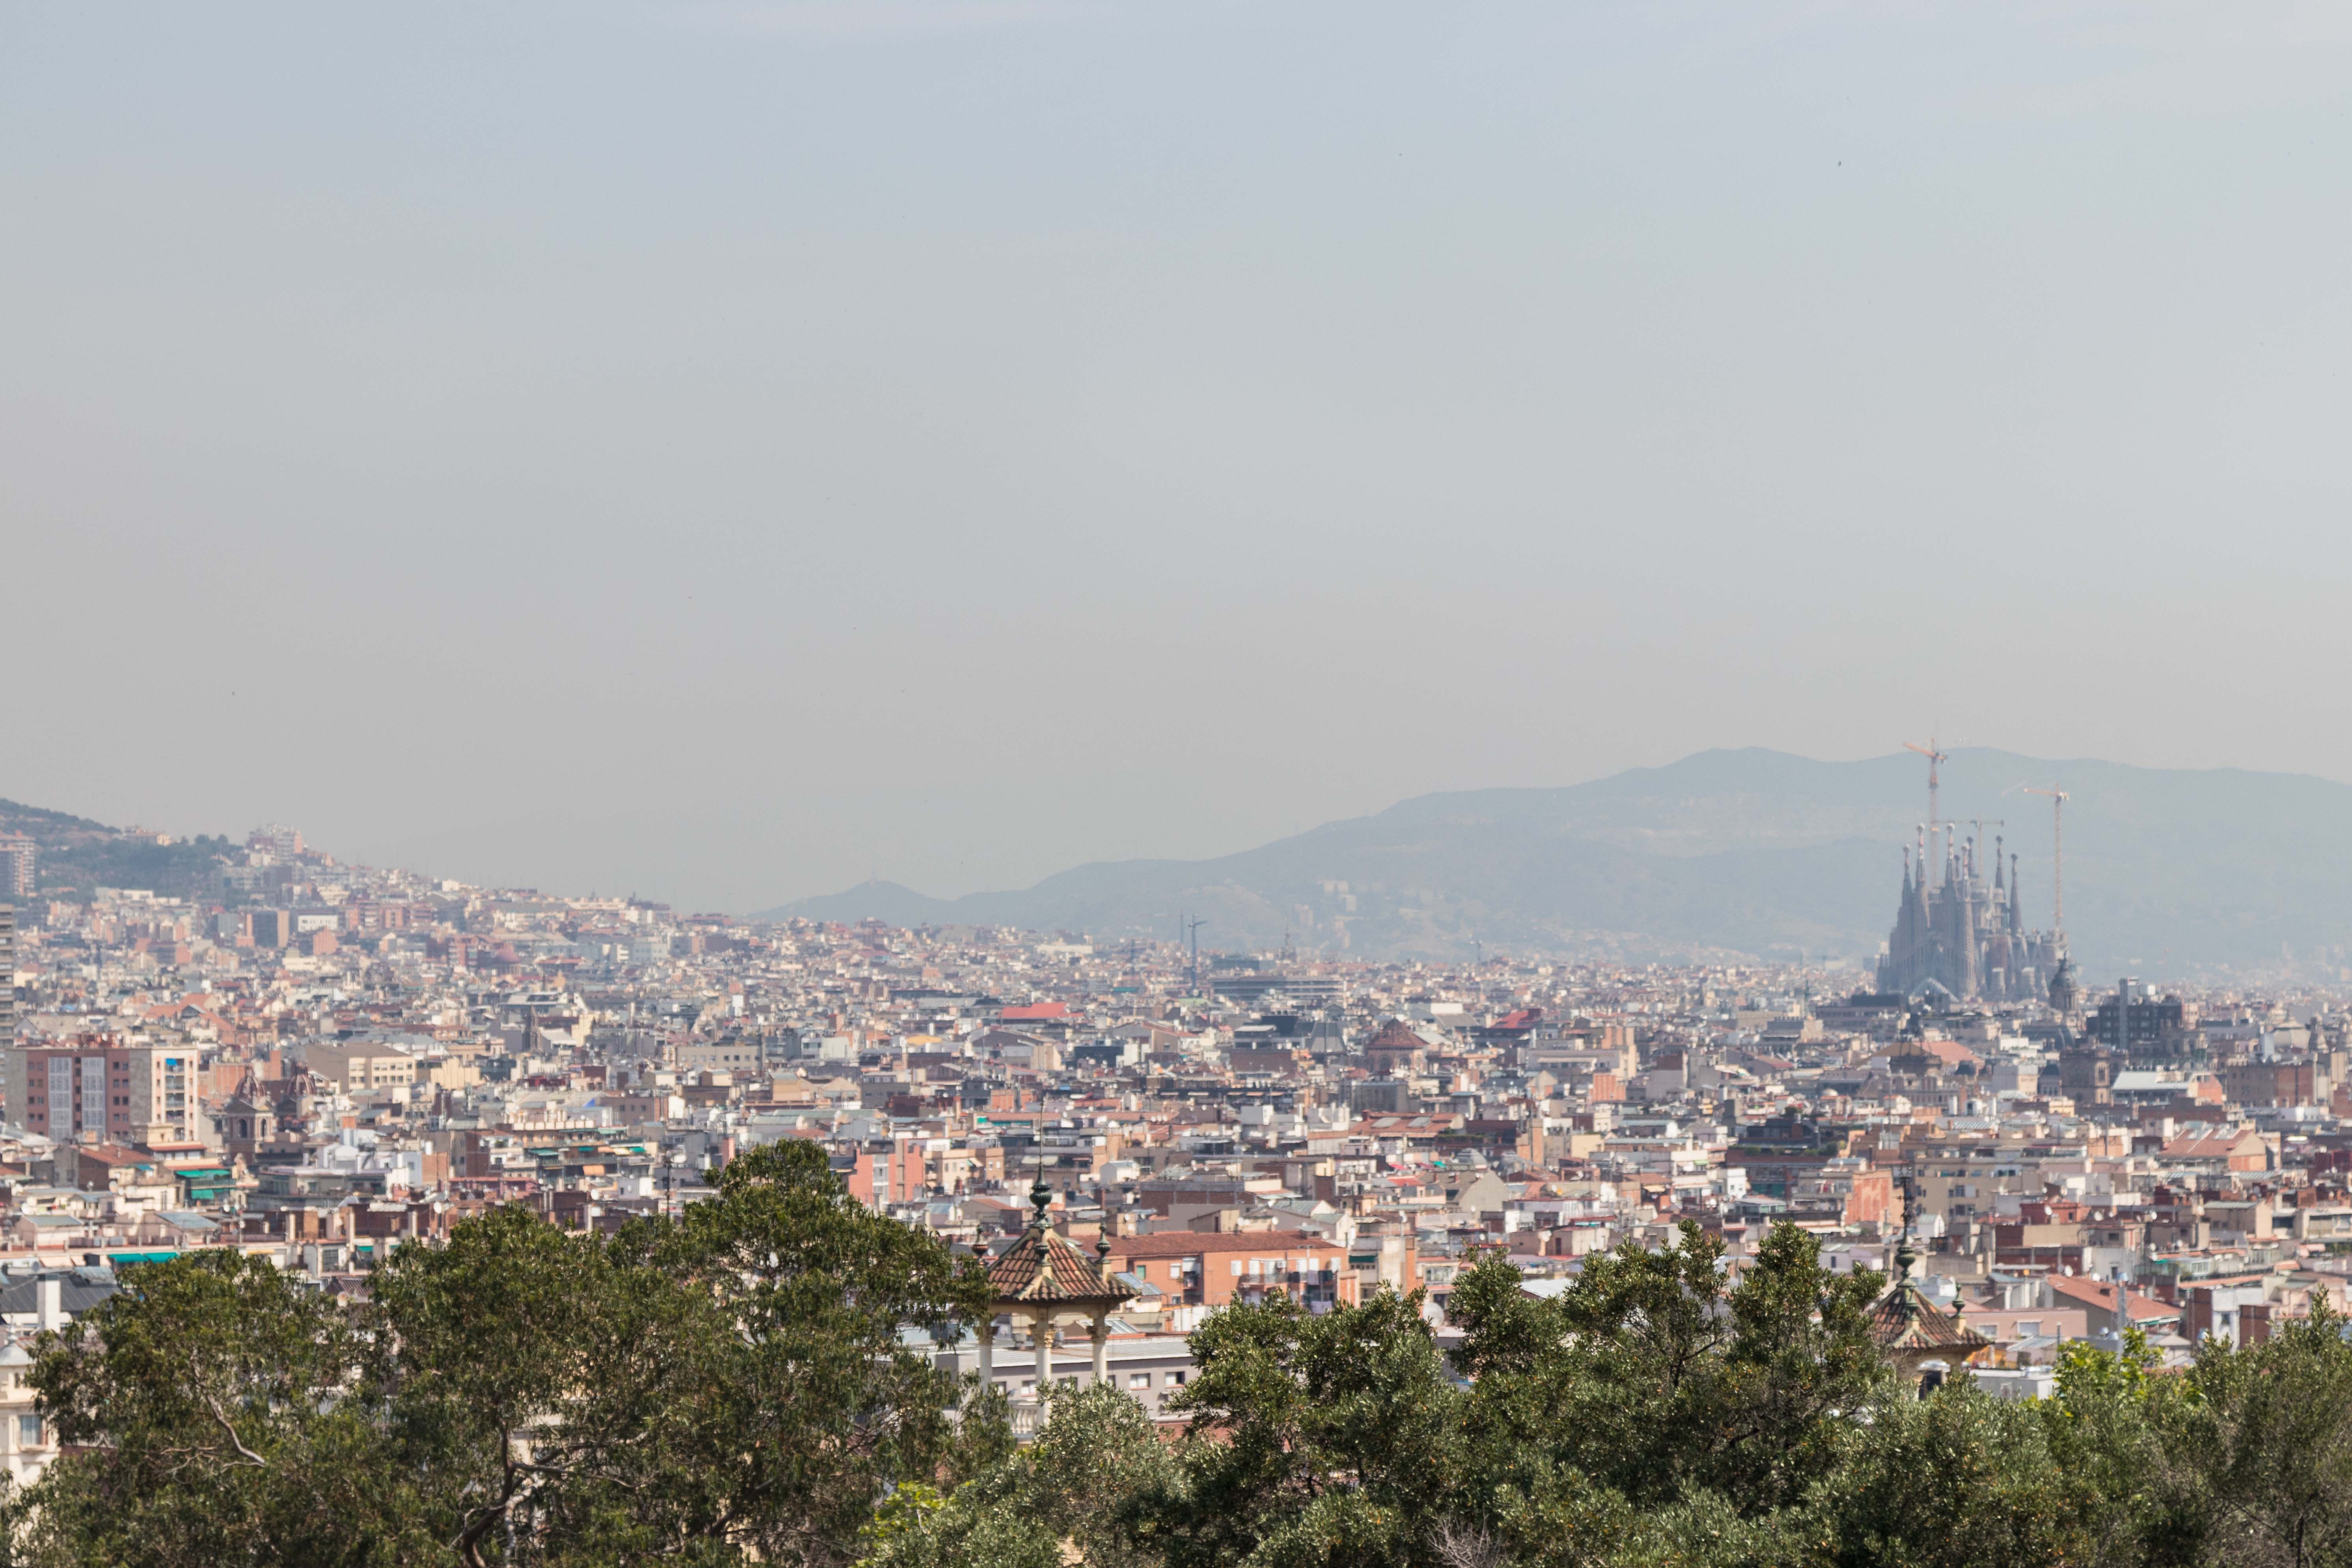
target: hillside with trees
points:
(75, 855)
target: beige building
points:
(720, 1056)
(27, 1443)
(450, 1072)
(360, 1068)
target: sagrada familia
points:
(1956, 935)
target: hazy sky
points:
(729, 451)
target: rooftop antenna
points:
(2057, 857)
(1936, 759)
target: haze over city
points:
(729, 453)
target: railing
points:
(1028, 1419)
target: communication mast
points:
(2057, 856)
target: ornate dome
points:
(2063, 994)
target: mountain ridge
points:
(1736, 851)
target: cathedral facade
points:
(1956, 932)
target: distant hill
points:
(2168, 872)
(75, 853)
(49, 826)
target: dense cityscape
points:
(312, 1061)
(937, 783)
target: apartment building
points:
(1214, 1268)
(359, 1069)
(19, 858)
(96, 1089)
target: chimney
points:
(52, 1297)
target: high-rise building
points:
(19, 858)
(280, 843)
(7, 972)
(96, 1088)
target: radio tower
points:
(2057, 857)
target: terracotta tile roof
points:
(1906, 1319)
(1044, 1266)
(2213, 1148)
(2144, 1308)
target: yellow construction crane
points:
(1936, 759)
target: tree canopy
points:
(739, 1385)
(730, 1387)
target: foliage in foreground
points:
(733, 1388)
(1648, 1417)
(727, 1388)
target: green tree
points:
(214, 1413)
(1072, 1494)
(809, 1398)
(738, 1385)
(2105, 1432)
(1959, 1479)
(2266, 1450)
(1653, 1379)
(1319, 1440)
(529, 1378)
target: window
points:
(1175, 1379)
(29, 1431)
(2028, 1327)
(1138, 1380)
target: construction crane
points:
(1192, 934)
(1936, 759)
(2057, 855)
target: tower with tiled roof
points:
(1912, 1330)
(1045, 1277)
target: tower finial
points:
(1041, 1196)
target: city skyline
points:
(1747, 856)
